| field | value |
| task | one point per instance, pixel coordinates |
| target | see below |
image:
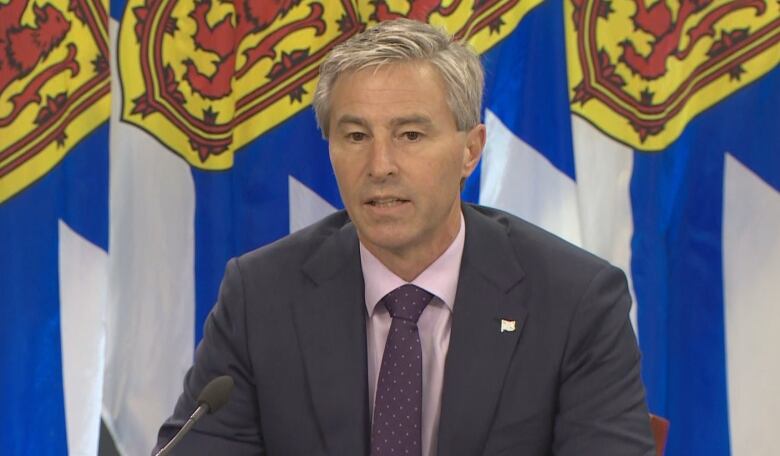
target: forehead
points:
(399, 88)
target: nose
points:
(382, 159)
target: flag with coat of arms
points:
(145, 142)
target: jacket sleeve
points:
(235, 428)
(601, 406)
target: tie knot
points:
(407, 302)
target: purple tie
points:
(398, 404)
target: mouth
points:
(385, 201)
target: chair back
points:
(660, 427)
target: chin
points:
(386, 239)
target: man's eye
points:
(412, 135)
(356, 136)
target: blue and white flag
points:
(54, 107)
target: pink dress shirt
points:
(435, 323)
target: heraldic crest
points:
(640, 70)
(54, 84)
(206, 77)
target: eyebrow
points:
(347, 119)
(413, 119)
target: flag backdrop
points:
(141, 149)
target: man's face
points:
(399, 158)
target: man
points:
(411, 323)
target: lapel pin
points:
(508, 325)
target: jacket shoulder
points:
(293, 250)
(534, 246)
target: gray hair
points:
(404, 40)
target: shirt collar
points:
(439, 279)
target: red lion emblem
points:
(657, 20)
(252, 16)
(22, 48)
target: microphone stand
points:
(199, 412)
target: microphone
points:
(213, 396)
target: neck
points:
(408, 267)
(411, 262)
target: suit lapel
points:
(490, 289)
(330, 321)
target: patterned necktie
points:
(398, 404)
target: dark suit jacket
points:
(289, 327)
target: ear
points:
(475, 142)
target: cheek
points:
(436, 180)
(450, 168)
(339, 163)
(347, 176)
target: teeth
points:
(385, 202)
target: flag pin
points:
(508, 325)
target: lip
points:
(385, 204)
(379, 200)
